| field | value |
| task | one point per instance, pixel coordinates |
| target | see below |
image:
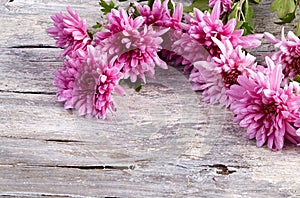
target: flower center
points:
(230, 77)
(296, 66)
(269, 108)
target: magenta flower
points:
(93, 92)
(95, 82)
(205, 26)
(160, 14)
(136, 46)
(267, 111)
(118, 20)
(226, 5)
(65, 77)
(69, 31)
(288, 54)
(215, 77)
(85, 84)
(297, 124)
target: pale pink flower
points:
(65, 77)
(216, 76)
(95, 82)
(189, 50)
(160, 14)
(288, 54)
(69, 31)
(85, 83)
(225, 5)
(297, 124)
(205, 26)
(264, 108)
(136, 46)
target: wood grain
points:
(163, 141)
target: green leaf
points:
(283, 8)
(289, 18)
(200, 4)
(297, 32)
(248, 13)
(234, 12)
(137, 85)
(171, 6)
(256, 1)
(97, 25)
(150, 3)
(138, 88)
(248, 29)
(105, 7)
(297, 78)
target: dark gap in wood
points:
(63, 141)
(100, 167)
(85, 167)
(38, 194)
(29, 92)
(33, 46)
(223, 169)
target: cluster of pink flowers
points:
(131, 44)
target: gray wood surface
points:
(163, 142)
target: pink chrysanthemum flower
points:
(69, 31)
(217, 76)
(205, 26)
(160, 14)
(95, 82)
(288, 54)
(136, 46)
(65, 77)
(267, 111)
(297, 124)
(226, 5)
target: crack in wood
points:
(85, 167)
(47, 140)
(33, 46)
(62, 140)
(38, 194)
(29, 92)
(223, 169)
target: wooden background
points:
(163, 142)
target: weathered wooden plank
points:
(163, 142)
(188, 157)
(29, 69)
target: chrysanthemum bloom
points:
(160, 14)
(65, 77)
(205, 26)
(69, 31)
(288, 54)
(217, 76)
(189, 50)
(95, 82)
(267, 111)
(297, 124)
(226, 5)
(136, 46)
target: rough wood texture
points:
(164, 142)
